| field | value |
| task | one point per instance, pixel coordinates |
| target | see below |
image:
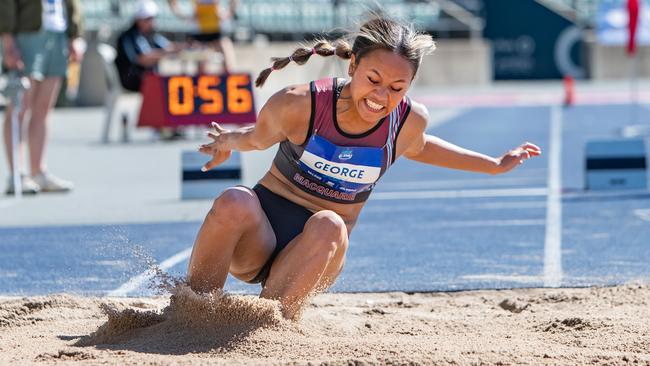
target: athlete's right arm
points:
(285, 116)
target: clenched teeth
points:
(374, 106)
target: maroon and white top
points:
(332, 164)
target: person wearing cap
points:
(140, 47)
(37, 40)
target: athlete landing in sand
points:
(337, 138)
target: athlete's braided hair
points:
(379, 32)
(323, 47)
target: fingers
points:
(205, 149)
(18, 60)
(218, 128)
(216, 160)
(14, 63)
(209, 165)
(519, 155)
(527, 151)
(213, 135)
(532, 152)
(534, 149)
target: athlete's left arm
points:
(433, 150)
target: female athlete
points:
(337, 138)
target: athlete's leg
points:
(45, 94)
(236, 236)
(310, 262)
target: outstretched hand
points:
(215, 148)
(517, 156)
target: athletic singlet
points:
(207, 16)
(332, 164)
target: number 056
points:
(184, 96)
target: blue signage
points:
(531, 41)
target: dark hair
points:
(378, 33)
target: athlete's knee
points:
(327, 232)
(235, 204)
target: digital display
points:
(209, 94)
(197, 100)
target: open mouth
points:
(372, 106)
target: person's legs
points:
(310, 263)
(235, 237)
(27, 184)
(43, 99)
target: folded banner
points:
(633, 17)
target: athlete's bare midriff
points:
(278, 184)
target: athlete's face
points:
(379, 82)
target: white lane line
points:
(643, 214)
(136, 282)
(489, 223)
(553, 239)
(469, 193)
(508, 205)
(461, 183)
(440, 116)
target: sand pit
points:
(596, 326)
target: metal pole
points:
(15, 145)
(15, 91)
(634, 85)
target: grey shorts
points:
(44, 53)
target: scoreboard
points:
(181, 100)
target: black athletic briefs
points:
(287, 221)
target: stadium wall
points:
(612, 62)
(454, 62)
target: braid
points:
(378, 33)
(301, 55)
(343, 49)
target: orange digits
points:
(175, 105)
(240, 99)
(212, 98)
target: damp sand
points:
(595, 326)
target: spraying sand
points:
(596, 326)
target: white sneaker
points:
(27, 184)
(51, 183)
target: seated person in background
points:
(140, 47)
(209, 25)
